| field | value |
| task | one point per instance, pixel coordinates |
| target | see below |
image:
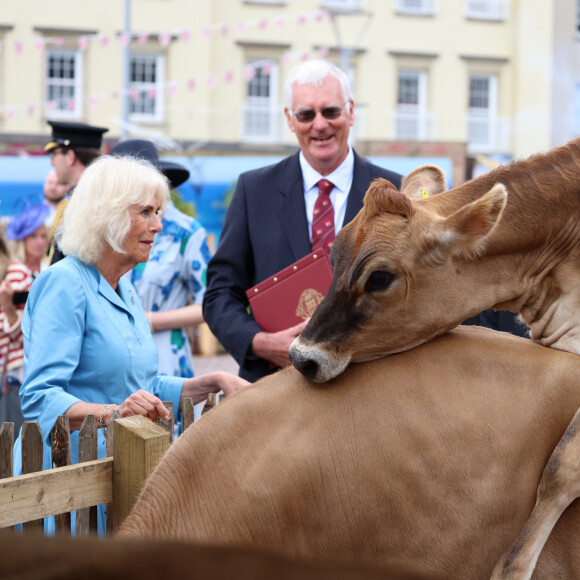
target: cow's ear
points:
(382, 196)
(465, 231)
(425, 181)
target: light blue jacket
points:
(83, 341)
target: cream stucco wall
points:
(449, 46)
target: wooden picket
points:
(134, 446)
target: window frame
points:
(76, 83)
(158, 114)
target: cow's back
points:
(429, 459)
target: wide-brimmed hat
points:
(177, 174)
(27, 221)
(73, 135)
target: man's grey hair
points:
(314, 72)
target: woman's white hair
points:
(97, 213)
(314, 72)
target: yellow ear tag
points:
(424, 193)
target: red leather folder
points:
(291, 295)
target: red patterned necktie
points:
(323, 217)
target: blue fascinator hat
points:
(27, 221)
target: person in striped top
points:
(15, 281)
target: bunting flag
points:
(165, 38)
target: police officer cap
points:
(74, 135)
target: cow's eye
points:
(378, 280)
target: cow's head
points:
(397, 270)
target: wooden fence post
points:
(6, 444)
(138, 446)
(32, 462)
(187, 414)
(61, 456)
(88, 443)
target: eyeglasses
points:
(308, 115)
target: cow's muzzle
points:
(315, 363)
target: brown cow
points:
(406, 271)
(428, 461)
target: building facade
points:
(455, 78)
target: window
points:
(416, 6)
(146, 91)
(63, 84)
(577, 15)
(486, 132)
(261, 112)
(412, 122)
(487, 9)
(410, 85)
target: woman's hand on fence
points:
(143, 403)
(198, 388)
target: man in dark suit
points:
(268, 224)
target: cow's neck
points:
(531, 263)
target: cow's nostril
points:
(309, 369)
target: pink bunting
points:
(212, 82)
(172, 89)
(31, 110)
(39, 45)
(229, 76)
(83, 42)
(263, 24)
(125, 39)
(164, 38)
(206, 32)
(59, 42)
(186, 35)
(191, 84)
(104, 41)
(249, 73)
(93, 101)
(143, 38)
(134, 95)
(18, 47)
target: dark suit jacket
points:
(265, 230)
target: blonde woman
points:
(87, 340)
(27, 235)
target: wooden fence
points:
(134, 446)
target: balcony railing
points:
(487, 9)
(411, 126)
(343, 5)
(261, 123)
(417, 6)
(486, 134)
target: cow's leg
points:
(558, 488)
